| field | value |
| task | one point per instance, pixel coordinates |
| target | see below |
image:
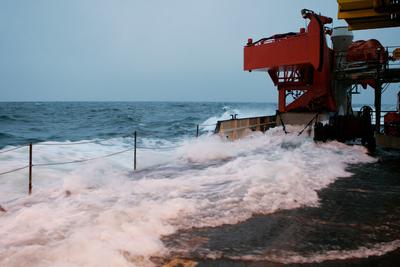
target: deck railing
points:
(30, 164)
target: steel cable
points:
(82, 160)
(206, 125)
(281, 120)
(12, 149)
(308, 124)
(14, 170)
(68, 144)
(158, 148)
(247, 127)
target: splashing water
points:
(101, 214)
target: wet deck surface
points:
(357, 216)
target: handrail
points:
(69, 144)
(43, 164)
(246, 127)
(83, 160)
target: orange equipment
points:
(371, 51)
(299, 64)
(392, 123)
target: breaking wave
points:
(101, 213)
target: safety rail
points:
(12, 149)
(69, 144)
(44, 164)
(14, 170)
(380, 61)
(247, 127)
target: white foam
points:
(114, 218)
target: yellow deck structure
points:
(369, 14)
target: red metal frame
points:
(297, 62)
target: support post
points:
(134, 151)
(282, 99)
(30, 168)
(197, 131)
(378, 106)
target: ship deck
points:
(362, 211)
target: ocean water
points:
(102, 213)
(74, 121)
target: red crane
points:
(300, 65)
(316, 83)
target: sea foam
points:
(100, 213)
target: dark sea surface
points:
(60, 121)
(269, 199)
(22, 122)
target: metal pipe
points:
(134, 151)
(30, 168)
(378, 99)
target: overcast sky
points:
(147, 50)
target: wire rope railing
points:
(207, 125)
(14, 170)
(13, 149)
(133, 148)
(69, 144)
(246, 127)
(159, 148)
(82, 160)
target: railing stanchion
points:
(197, 131)
(30, 168)
(134, 152)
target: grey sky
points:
(147, 50)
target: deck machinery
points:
(315, 82)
